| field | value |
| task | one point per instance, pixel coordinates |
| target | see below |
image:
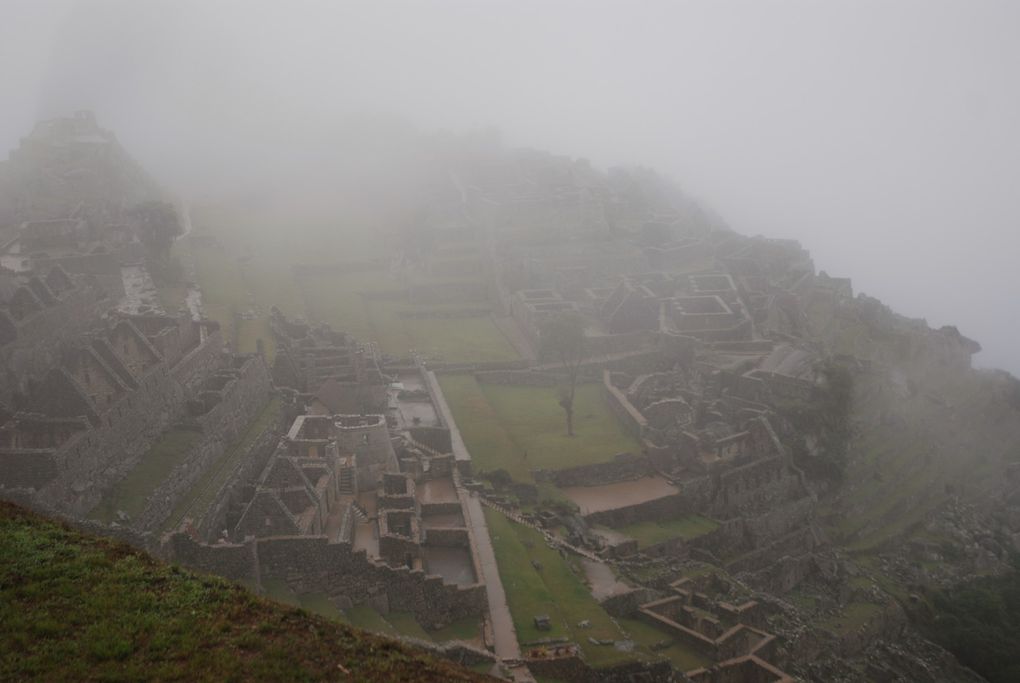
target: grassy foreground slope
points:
(80, 608)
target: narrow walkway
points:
(502, 623)
(504, 635)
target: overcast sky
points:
(885, 136)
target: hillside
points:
(80, 608)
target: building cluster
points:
(87, 389)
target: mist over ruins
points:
(534, 419)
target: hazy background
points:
(885, 136)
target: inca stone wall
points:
(33, 344)
(310, 564)
(114, 446)
(242, 400)
(623, 467)
(251, 464)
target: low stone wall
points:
(107, 452)
(250, 466)
(626, 604)
(795, 543)
(676, 548)
(759, 485)
(243, 400)
(192, 370)
(605, 344)
(436, 438)
(445, 313)
(573, 669)
(440, 508)
(480, 366)
(447, 537)
(623, 467)
(668, 507)
(236, 561)
(518, 378)
(693, 497)
(310, 564)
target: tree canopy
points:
(562, 338)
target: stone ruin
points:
(371, 513)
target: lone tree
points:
(562, 338)
(158, 226)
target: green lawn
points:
(520, 428)
(132, 492)
(644, 635)
(650, 533)
(555, 590)
(81, 608)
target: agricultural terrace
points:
(246, 264)
(372, 304)
(520, 428)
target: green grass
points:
(335, 297)
(318, 603)
(471, 339)
(467, 629)
(851, 617)
(365, 617)
(644, 635)
(198, 499)
(555, 590)
(132, 493)
(503, 424)
(407, 625)
(79, 608)
(254, 265)
(279, 590)
(650, 533)
(404, 624)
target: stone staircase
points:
(359, 512)
(346, 483)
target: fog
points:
(883, 136)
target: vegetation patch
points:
(649, 642)
(521, 428)
(198, 499)
(372, 305)
(852, 617)
(131, 493)
(651, 533)
(539, 581)
(79, 608)
(979, 622)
